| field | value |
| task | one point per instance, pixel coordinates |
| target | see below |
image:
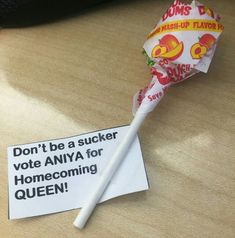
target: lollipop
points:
(182, 44)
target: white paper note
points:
(58, 175)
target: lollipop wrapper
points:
(181, 44)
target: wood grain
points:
(79, 74)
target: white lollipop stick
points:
(109, 171)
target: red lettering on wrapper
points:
(205, 10)
(163, 62)
(160, 76)
(177, 8)
(179, 72)
(141, 95)
(155, 96)
(142, 92)
(158, 95)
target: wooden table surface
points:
(78, 75)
